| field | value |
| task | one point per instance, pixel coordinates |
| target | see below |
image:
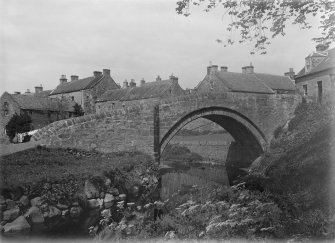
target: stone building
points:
(245, 82)
(316, 80)
(146, 92)
(85, 91)
(42, 110)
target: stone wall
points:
(131, 127)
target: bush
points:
(277, 131)
(18, 124)
(78, 110)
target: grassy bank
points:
(49, 163)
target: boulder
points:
(113, 191)
(94, 203)
(34, 215)
(18, 226)
(75, 212)
(10, 204)
(52, 212)
(17, 193)
(37, 201)
(91, 191)
(122, 196)
(108, 200)
(24, 200)
(11, 214)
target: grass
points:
(41, 163)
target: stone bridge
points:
(149, 126)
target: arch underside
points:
(250, 142)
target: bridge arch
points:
(245, 133)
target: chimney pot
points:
(248, 69)
(212, 69)
(63, 79)
(17, 92)
(158, 78)
(38, 89)
(132, 83)
(224, 69)
(97, 73)
(125, 84)
(106, 72)
(74, 77)
(290, 73)
(28, 91)
(142, 81)
(173, 78)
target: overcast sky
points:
(42, 39)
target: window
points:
(320, 91)
(6, 110)
(211, 84)
(305, 89)
(72, 98)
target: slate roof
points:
(43, 94)
(31, 102)
(327, 63)
(253, 83)
(276, 82)
(146, 91)
(80, 84)
(241, 82)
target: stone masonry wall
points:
(131, 127)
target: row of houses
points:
(100, 92)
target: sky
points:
(135, 39)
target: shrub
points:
(78, 110)
(18, 124)
(277, 131)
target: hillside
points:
(298, 168)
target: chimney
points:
(125, 84)
(142, 81)
(212, 69)
(63, 79)
(224, 69)
(158, 78)
(174, 79)
(321, 47)
(97, 73)
(74, 77)
(106, 72)
(17, 92)
(290, 73)
(248, 69)
(28, 91)
(132, 83)
(38, 89)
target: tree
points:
(78, 110)
(261, 20)
(18, 124)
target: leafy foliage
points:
(78, 110)
(262, 20)
(18, 124)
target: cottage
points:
(246, 82)
(85, 91)
(145, 93)
(316, 80)
(41, 110)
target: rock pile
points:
(75, 207)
